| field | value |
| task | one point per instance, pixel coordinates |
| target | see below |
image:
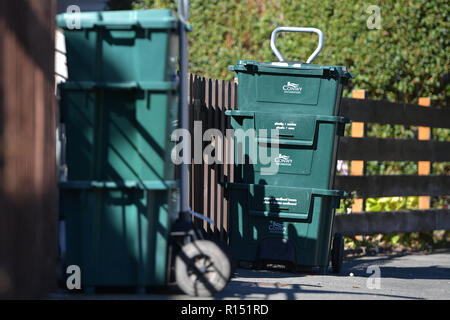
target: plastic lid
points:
(291, 67)
(145, 19)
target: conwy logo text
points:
(292, 87)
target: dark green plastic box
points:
(122, 46)
(119, 107)
(290, 87)
(277, 224)
(286, 213)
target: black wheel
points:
(337, 252)
(202, 268)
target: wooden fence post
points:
(424, 167)
(357, 166)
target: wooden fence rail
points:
(422, 150)
(376, 149)
(394, 185)
(210, 98)
(385, 112)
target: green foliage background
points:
(406, 59)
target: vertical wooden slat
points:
(231, 105)
(357, 166)
(226, 165)
(204, 118)
(191, 131)
(219, 156)
(213, 168)
(206, 170)
(424, 167)
(216, 165)
(197, 180)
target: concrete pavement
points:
(411, 276)
(400, 277)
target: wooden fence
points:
(28, 217)
(209, 98)
(422, 150)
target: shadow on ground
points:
(392, 267)
(280, 291)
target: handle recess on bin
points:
(145, 185)
(314, 191)
(281, 215)
(329, 193)
(238, 113)
(337, 119)
(300, 143)
(273, 39)
(143, 85)
(322, 118)
(117, 25)
(247, 66)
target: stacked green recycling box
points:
(119, 107)
(283, 210)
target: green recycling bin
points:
(120, 103)
(282, 202)
(119, 108)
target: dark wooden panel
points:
(197, 177)
(400, 185)
(28, 219)
(385, 112)
(392, 222)
(210, 99)
(393, 149)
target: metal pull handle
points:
(183, 10)
(273, 39)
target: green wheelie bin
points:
(121, 199)
(282, 202)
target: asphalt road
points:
(411, 276)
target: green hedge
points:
(406, 59)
